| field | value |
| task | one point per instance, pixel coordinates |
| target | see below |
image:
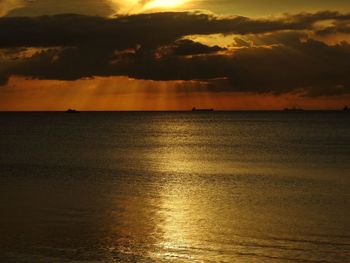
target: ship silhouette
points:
(195, 109)
(72, 111)
(294, 109)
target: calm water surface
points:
(175, 187)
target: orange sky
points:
(121, 93)
(27, 57)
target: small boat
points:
(346, 108)
(195, 109)
(294, 109)
(72, 111)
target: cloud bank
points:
(270, 55)
(7, 5)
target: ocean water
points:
(175, 187)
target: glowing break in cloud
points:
(7, 5)
(139, 6)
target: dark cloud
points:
(239, 42)
(343, 27)
(187, 47)
(309, 66)
(52, 7)
(274, 55)
(126, 31)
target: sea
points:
(175, 187)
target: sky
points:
(174, 55)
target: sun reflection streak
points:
(184, 206)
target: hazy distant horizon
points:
(184, 110)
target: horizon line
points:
(232, 110)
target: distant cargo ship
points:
(72, 111)
(195, 109)
(294, 109)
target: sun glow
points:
(140, 6)
(164, 4)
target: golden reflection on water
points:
(176, 213)
(181, 190)
(176, 197)
(190, 219)
(183, 212)
(198, 207)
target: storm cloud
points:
(157, 28)
(275, 55)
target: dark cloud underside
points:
(273, 55)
